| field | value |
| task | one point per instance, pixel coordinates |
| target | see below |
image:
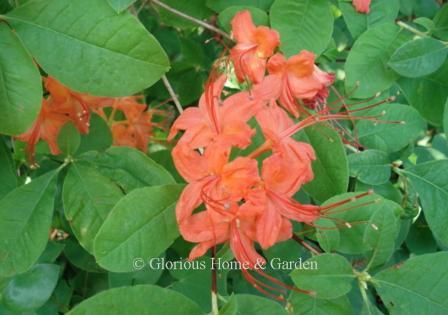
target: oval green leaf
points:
(370, 167)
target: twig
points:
(172, 94)
(411, 29)
(192, 19)
(305, 244)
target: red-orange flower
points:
(297, 78)
(362, 6)
(254, 46)
(217, 120)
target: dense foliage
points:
(141, 139)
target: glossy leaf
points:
(140, 299)
(141, 225)
(88, 198)
(30, 290)
(20, 85)
(25, 218)
(419, 57)
(302, 24)
(99, 52)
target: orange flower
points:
(254, 46)
(216, 120)
(297, 78)
(362, 6)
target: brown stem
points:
(192, 19)
(172, 94)
(305, 244)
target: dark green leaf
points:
(141, 225)
(88, 198)
(194, 8)
(25, 218)
(120, 5)
(69, 139)
(367, 61)
(305, 305)
(441, 23)
(7, 170)
(250, 304)
(98, 51)
(302, 24)
(418, 57)
(220, 5)
(20, 85)
(417, 287)
(30, 290)
(330, 276)
(99, 137)
(371, 166)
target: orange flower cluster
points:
(64, 105)
(240, 201)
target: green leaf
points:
(145, 276)
(418, 57)
(441, 23)
(129, 168)
(417, 287)
(99, 137)
(225, 17)
(220, 5)
(327, 234)
(98, 52)
(381, 11)
(370, 167)
(432, 89)
(141, 225)
(445, 118)
(330, 276)
(30, 290)
(250, 304)
(380, 234)
(367, 61)
(7, 170)
(194, 8)
(25, 219)
(20, 85)
(391, 136)
(120, 5)
(430, 181)
(88, 198)
(69, 139)
(302, 24)
(79, 257)
(305, 305)
(140, 299)
(351, 218)
(330, 167)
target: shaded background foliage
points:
(71, 233)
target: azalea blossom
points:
(295, 80)
(254, 45)
(362, 6)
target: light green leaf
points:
(391, 136)
(88, 198)
(225, 17)
(29, 291)
(120, 5)
(327, 234)
(7, 170)
(417, 287)
(246, 304)
(69, 139)
(20, 85)
(305, 305)
(381, 11)
(430, 181)
(441, 23)
(141, 225)
(380, 234)
(330, 167)
(432, 89)
(140, 299)
(367, 61)
(330, 276)
(302, 24)
(98, 51)
(129, 168)
(25, 219)
(418, 57)
(371, 166)
(220, 5)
